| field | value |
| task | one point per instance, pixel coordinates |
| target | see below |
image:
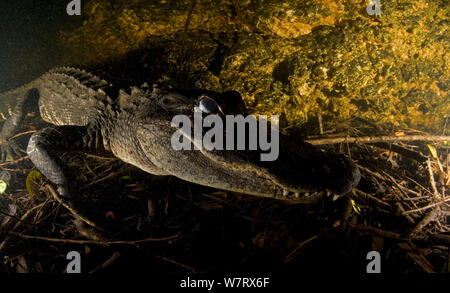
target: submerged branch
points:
(98, 242)
(375, 139)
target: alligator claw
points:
(63, 191)
(10, 150)
(7, 210)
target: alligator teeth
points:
(297, 194)
(306, 194)
(336, 196)
(285, 192)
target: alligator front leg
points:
(9, 148)
(46, 146)
(26, 102)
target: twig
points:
(319, 119)
(376, 231)
(429, 206)
(107, 263)
(375, 139)
(102, 158)
(20, 134)
(14, 162)
(402, 212)
(373, 173)
(371, 197)
(189, 268)
(442, 237)
(98, 242)
(294, 252)
(74, 212)
(23, 133)
(109, 176)
(395, 183)
(432, 181)
(419, 185)
(402, 151)
(431, 216)
(22, 220)
(411, 251)
(14, 170)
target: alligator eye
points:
(209, 106)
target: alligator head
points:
(300, 170)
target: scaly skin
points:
(88, 113)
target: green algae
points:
(298, 59)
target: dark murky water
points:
(29, 38)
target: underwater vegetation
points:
(298, 59)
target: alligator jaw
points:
(242, 171)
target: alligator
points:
(90, 114)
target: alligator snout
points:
(299, 170)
